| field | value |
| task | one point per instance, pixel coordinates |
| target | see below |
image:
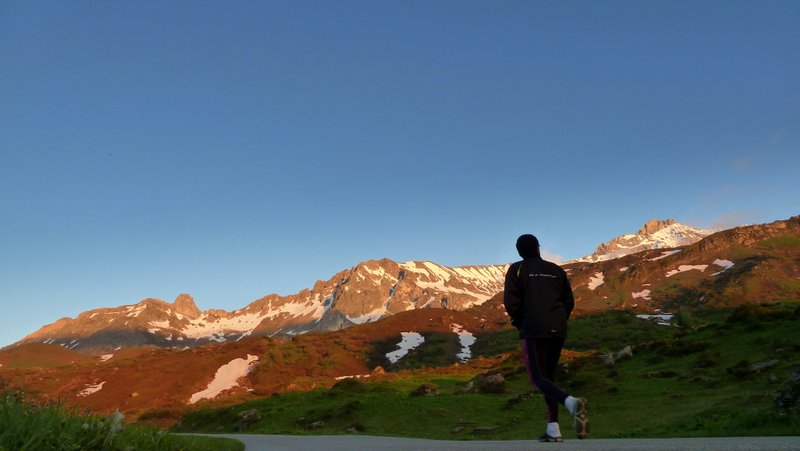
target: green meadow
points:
(728, 372)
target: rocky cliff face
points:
(654, 234)
(654, 225)
(365, 293)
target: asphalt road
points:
(255, 442)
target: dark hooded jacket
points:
(538, 298)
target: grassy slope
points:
(688, 381)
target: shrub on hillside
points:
(795, 315)
(349, 385)
(680, 348)
(787, 398)
(741, 370)
(752, 314)
(685, 319)
(425, 389)
(587, 382)
(708, 359)
(160, 413)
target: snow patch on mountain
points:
(91, 389)
(480, 283)
(226, 377)
(408, 341)
(596, 280)
(352, 376)
(370, 317)
(665, 254)
(207, 325)
(684, 268)
(662, 319)
(466, 339)
(725, 264)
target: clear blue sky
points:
(234, 149)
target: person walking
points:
(538, 298)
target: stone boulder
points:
(425, 389)
(492, 383)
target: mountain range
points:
(364, 293)
(261, 349)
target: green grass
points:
(26, 426)
(613, 331)
(496, 343)
(688, 381)
(779, 242)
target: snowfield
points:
(596, 280)
(485, 279)
(665, 254)
(466, 339)
(725, 264)
(409, 341)
(684, 268)
(226, 377)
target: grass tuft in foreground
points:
(29, 426)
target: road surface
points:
(256, 442)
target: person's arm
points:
(512, 297)
(566, 293)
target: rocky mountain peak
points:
(184, 304)
(654, 225)
(654, 234)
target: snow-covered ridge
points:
(365, 293)
(480, 282)
(654, 234)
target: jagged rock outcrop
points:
(654, 225)
(184, 305)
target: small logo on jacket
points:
(543, 275)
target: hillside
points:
(724, 268)
(160, 384)
(744, 266)
(724, 372)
